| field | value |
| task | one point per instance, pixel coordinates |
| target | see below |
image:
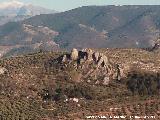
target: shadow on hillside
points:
(143, 83)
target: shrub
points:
(143, 83)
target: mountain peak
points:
(11, 4)
(15, 8)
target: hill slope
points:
(94, 27)
(38, 86)
(109, 26)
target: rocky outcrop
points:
(64, 58)
(92, 65)
(74, 54)
(87, 55)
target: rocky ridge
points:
(92, 66)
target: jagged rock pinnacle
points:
(74, 54)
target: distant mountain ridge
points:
(136, 26)
(17, 11)
(15, 8)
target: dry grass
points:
(28, 76)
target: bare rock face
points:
(89, 54)
(96, 56)
(74, 54)
(103, 60)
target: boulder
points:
(103, 60)
(75, 99)
(106, 61)
(96, 56)
(2, 70)
(64, 59)
(74, 54)
(89, 53)
(106, 80)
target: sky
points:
(63, 5)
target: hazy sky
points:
(62, 5)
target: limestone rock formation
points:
(96, 56)
(74, 54)
(103, 60)
(89, 54)
(92, 65)
(64, 59)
